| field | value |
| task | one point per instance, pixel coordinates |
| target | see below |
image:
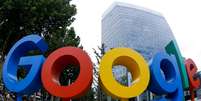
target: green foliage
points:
(48, 18)
(1, 65)
(69, 74)
(56, 40)
(1, 69)
(21, 73)
(88, 97)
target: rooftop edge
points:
(129, 6)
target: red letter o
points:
(55, 64)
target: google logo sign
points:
(166, 75)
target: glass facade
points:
(146, 31)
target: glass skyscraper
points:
(144, 30)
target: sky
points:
(183, 17)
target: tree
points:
(48, 18)
(100, 95)
(51, 19)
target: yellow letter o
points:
(134, 62)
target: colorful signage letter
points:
(135, 64)
(173, 49)
(165, 78)
(55, 64)
(16, 57)
(191, 69)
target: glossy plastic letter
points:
(16, 58)
(55, 64)
(191, 69)
(135, 64)
(173, 49)
(165, 78)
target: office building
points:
(144, 30)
